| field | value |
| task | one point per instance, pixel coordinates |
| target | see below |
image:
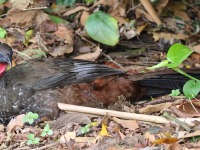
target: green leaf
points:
(56, 19)
(191, 88)
(30, 136)
(28, 36)
(29, 142)
(50, 132)
(89, 1)
(2, 1)
(102, 28)
(2, 33)
(177, 54)
(66, 2)
(175, 92)
(36, 140)
(161, 64)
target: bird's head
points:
(5, 57)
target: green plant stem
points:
(184, 73)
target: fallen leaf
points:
(149, 109)
(71, 117)
(90, 56)
(67, 136)
(85, 140)
(104, 131)
(21, 4)
(195, 133)
(74, 10)
(165, 141)
(84, 17)
(130, 124)
(20, 17)
(16, 122)
(168, 36)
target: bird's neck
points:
(3, 67)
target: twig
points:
(110, 59)
(124, 115)
(35, 8)
(46, 146)
(86, 40)
(182, 124)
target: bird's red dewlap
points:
(3, 67)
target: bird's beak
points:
(6, 59)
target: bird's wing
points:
(48, 73)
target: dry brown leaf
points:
(21, 4)
(20, 17)
(1, 127)
(130, 124)
(196, 48)
(168, 36)
(139, 13)
(195, 133)
(149, 137)
(155, 108)
(68, 37)
(41, 17)
(182, 14)
(74, 10)
(90, 56)
(160, 5)
(71, 117)
(16, 122)
(84, 17)
(149, 8)
(187, 107)
(85, 140)
(67, 136)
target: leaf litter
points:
(138, 29)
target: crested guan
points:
(38, 85)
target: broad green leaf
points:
(177, 54)
(2, 33)
(191, 88)
(102, 28)
(161, 64)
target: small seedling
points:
(175, 56)
(30, 117)
(32, 139)
(175, 93)
(46, 131)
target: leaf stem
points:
(184, 73)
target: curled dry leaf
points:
(71, 117)
(90, 56)
(16, 122)
(84, 17)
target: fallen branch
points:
(123, 115)
(103, 112)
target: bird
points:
(38, 85)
